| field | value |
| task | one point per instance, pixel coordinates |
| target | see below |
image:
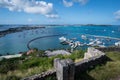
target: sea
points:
(15, 43)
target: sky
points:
(60, 12)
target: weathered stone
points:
(56, 52)
(64, 69)
(92, 52)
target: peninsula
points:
(18, 29)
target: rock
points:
(30, 51)
(56, 52)
(92, 52)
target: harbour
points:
(84, 38)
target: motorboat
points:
(117, 44)
(62, 39)
(83, 37)
(65, 41)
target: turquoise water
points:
(17, 42)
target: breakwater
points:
(106, 37)
(28, 44)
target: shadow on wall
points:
(81, 71)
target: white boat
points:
(91, 43)
(75, 44)
(98, 42)
(90, 39)
(83, 37)
(117, 44)
(65, 41)
(62, 39)
(102, 46)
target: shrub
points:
(12, 78)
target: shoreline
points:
(10, 56)
(89, 24)
(18, 29)
(112, 48)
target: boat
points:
(65, 41)
(98, 42)
(90, 39)
(83, 37)
(62, 39)
(91, 43)
(95, 42)
(102, 46)
(117, 44)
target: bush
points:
(12, 78)
(32, 64)
(77, 54)
(8, 65)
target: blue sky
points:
(60, 12)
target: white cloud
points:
(67, 4)
(28, 6)
(117, 15)
(81, 1)
(52, 16)
(71, 2)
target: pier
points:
(103, 37)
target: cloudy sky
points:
(60, 12)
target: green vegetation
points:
(35, 63)
(27, 65)
(110, 70)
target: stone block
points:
(64, 69)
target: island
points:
(18, 29)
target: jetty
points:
(103, 37)
(73, 44)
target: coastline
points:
(18, 29)
(10, 56)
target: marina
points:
(77, 37)
(59, 39)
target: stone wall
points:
(89, 63)
(80, 67)
(107, 49)
(41, 76)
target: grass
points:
(32, 64)
(108, 71)
(17, 68)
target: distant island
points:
(29, 27)
(77, 25)
(25, 25)
(18, 29)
